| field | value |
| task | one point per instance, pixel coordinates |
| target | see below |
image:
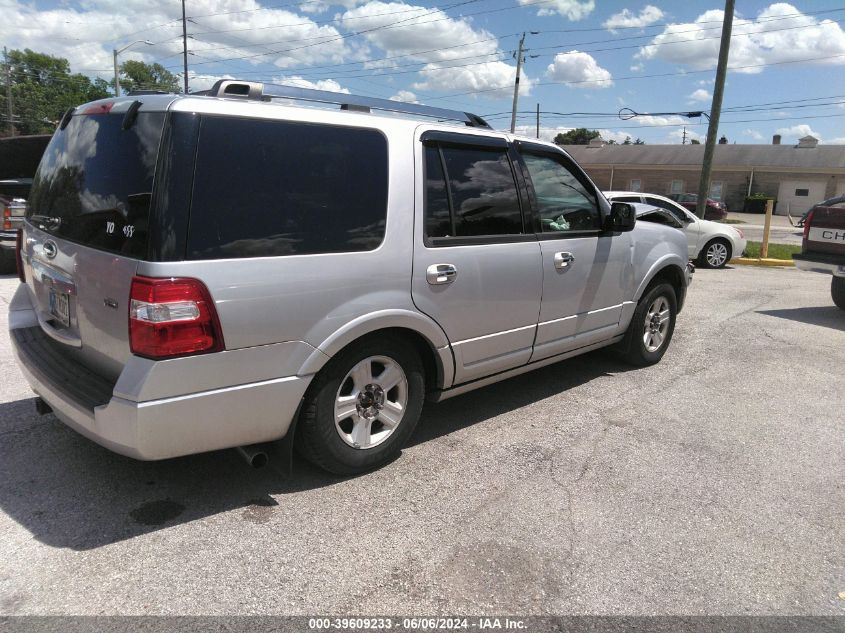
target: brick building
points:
(798, 176)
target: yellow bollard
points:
(764, 247)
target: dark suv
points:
(823, 247)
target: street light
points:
(117, 52)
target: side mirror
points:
(622, 218)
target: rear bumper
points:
(829, 264)
(8, 239)
(155, 428)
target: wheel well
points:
(428, 356)
(674, 276)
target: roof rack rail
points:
(257, 91)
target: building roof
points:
(821, 157)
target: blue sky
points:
(583, 56)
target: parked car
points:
(836, 201)
(13, 203)
(823, 245)
(714, 210)
(235, 270)
(711, 244)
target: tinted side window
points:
(483, 192)
(564, 204)
(264, 188)
(438, 221)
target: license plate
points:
(59, 306)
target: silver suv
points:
(223, 270)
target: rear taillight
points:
(172, 317)
(7, 218)
(807, 221)
(19, 255)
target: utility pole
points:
(715, 109)
(185, 46)
(520, 57)
(538, 120)
(116, 74)
(8, 91)
(684, 140)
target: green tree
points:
(578, 136)
(695, 142)
(627, 141)
(135, 75)
(639, 141)
(43, 88)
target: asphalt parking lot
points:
(711, 483)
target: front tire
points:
(837, 291)
(363, 406)
(652, 326)
(715, 254)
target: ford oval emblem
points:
(50, 249)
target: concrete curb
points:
(756, 261)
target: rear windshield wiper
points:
(45, 221)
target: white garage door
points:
(799, 195)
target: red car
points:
(714, 210)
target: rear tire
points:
(363, 406)
(651, 327)
(715, 254)
(837, 291)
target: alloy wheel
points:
(656, 324)
(371, 402)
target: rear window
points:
(267, 188)
(94, 184)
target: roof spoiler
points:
(256, 91)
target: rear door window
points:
(269, 188)
(475, 196)
(94, 184)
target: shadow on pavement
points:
(69, 492)
(826, 316)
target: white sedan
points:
(711, 244)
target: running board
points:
(445, 394)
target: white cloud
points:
(571, 9)
(637, 68)
(204, 82)
(649, 119)
(580, 70)
(677, 136)
(626, 18)
(766, 41)
(700, 95)
(491, 79)
(618, 137)
(795, 132)
(546, 133)
(405, 96)
(753, 134)
(422, 29)
(86, 37)
(323, 84)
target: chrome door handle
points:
(438, 274)
(562, 260)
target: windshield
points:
(94, 184)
